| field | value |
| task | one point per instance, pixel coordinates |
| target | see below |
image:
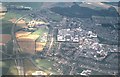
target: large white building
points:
(67, 35)
(39, 73)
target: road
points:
(51, 42)
(5, 53)
(18, 61)
(50, 45)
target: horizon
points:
(59, 0)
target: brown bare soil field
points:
(27, 46)
(5, 38)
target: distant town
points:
(47, 42)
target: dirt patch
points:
(5, 38)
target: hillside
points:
(84, 12)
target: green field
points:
(46, 65)
(55, 17)
(6, 27)
(40, 32)
(4, 66)
(6, 24)
(29, 67)
(8, 67)
(10, 15)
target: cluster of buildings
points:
(67, 35)
(86, 72)
(73, 35)
(35, 23)
(89, 45)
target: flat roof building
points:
(67, 35)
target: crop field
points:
(29, 67)
(41, 30)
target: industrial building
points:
(67, 35)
